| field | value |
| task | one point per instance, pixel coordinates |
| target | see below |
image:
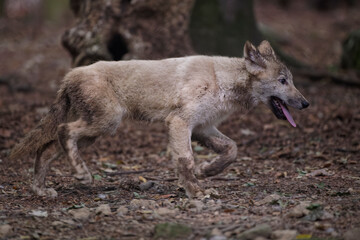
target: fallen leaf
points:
(141, 178)
(229, 210)
(303, 236)
(164, 196)
(268, 199)
(104, 159)
(319, 172)
(135, 167)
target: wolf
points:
(192, 95)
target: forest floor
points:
(302, 182)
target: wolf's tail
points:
(45, 131)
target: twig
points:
(129, 172)
(164, 180)
(346, 150)
(223, 179)
(228, 228)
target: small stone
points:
(68, 221)
(122, 211)
(213, 206)
(57, 223)
(146, 185)
(326, 216)
(300, 210)
(247, 132)
(167, 203)
(330, 230)
(260, 238)
(268, 199)
(197, 204)
(103, 209)
(102, 196)
(5, 230)
(212, 192)
(216, 232)
(80, 213)
(143, 204)
(218, 238)
(352, 234)
(39, 213)
(284, 235)
(166, 211)
(262, 230)
(322, 225)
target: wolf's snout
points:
(304, 104)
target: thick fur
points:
(45, 131)
(192, 95)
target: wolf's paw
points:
(199, 195)
(200, 170)
(193, 190)
(84, 178)
(45, 192)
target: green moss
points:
(171, 231)
(351, 51)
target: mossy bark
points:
(123, 29)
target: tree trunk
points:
(222, 26)
(124, 29)
(155, 29)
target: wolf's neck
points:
(234, 82)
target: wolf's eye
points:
(282, 80)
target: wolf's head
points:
(272, 82)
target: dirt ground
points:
(305, 179)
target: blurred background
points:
(41, 40)
(312, 33)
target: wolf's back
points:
(45, 131)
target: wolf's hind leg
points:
(212, 138)
(69, 135)
(81, 133)
(40, 169)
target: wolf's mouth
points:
(280, 110)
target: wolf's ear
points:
(266, 50)
(255, 63)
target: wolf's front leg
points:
(180, 147)
(212, 138)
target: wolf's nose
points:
(305, 104)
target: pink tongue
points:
(288, 115)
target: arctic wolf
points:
(192, 95)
